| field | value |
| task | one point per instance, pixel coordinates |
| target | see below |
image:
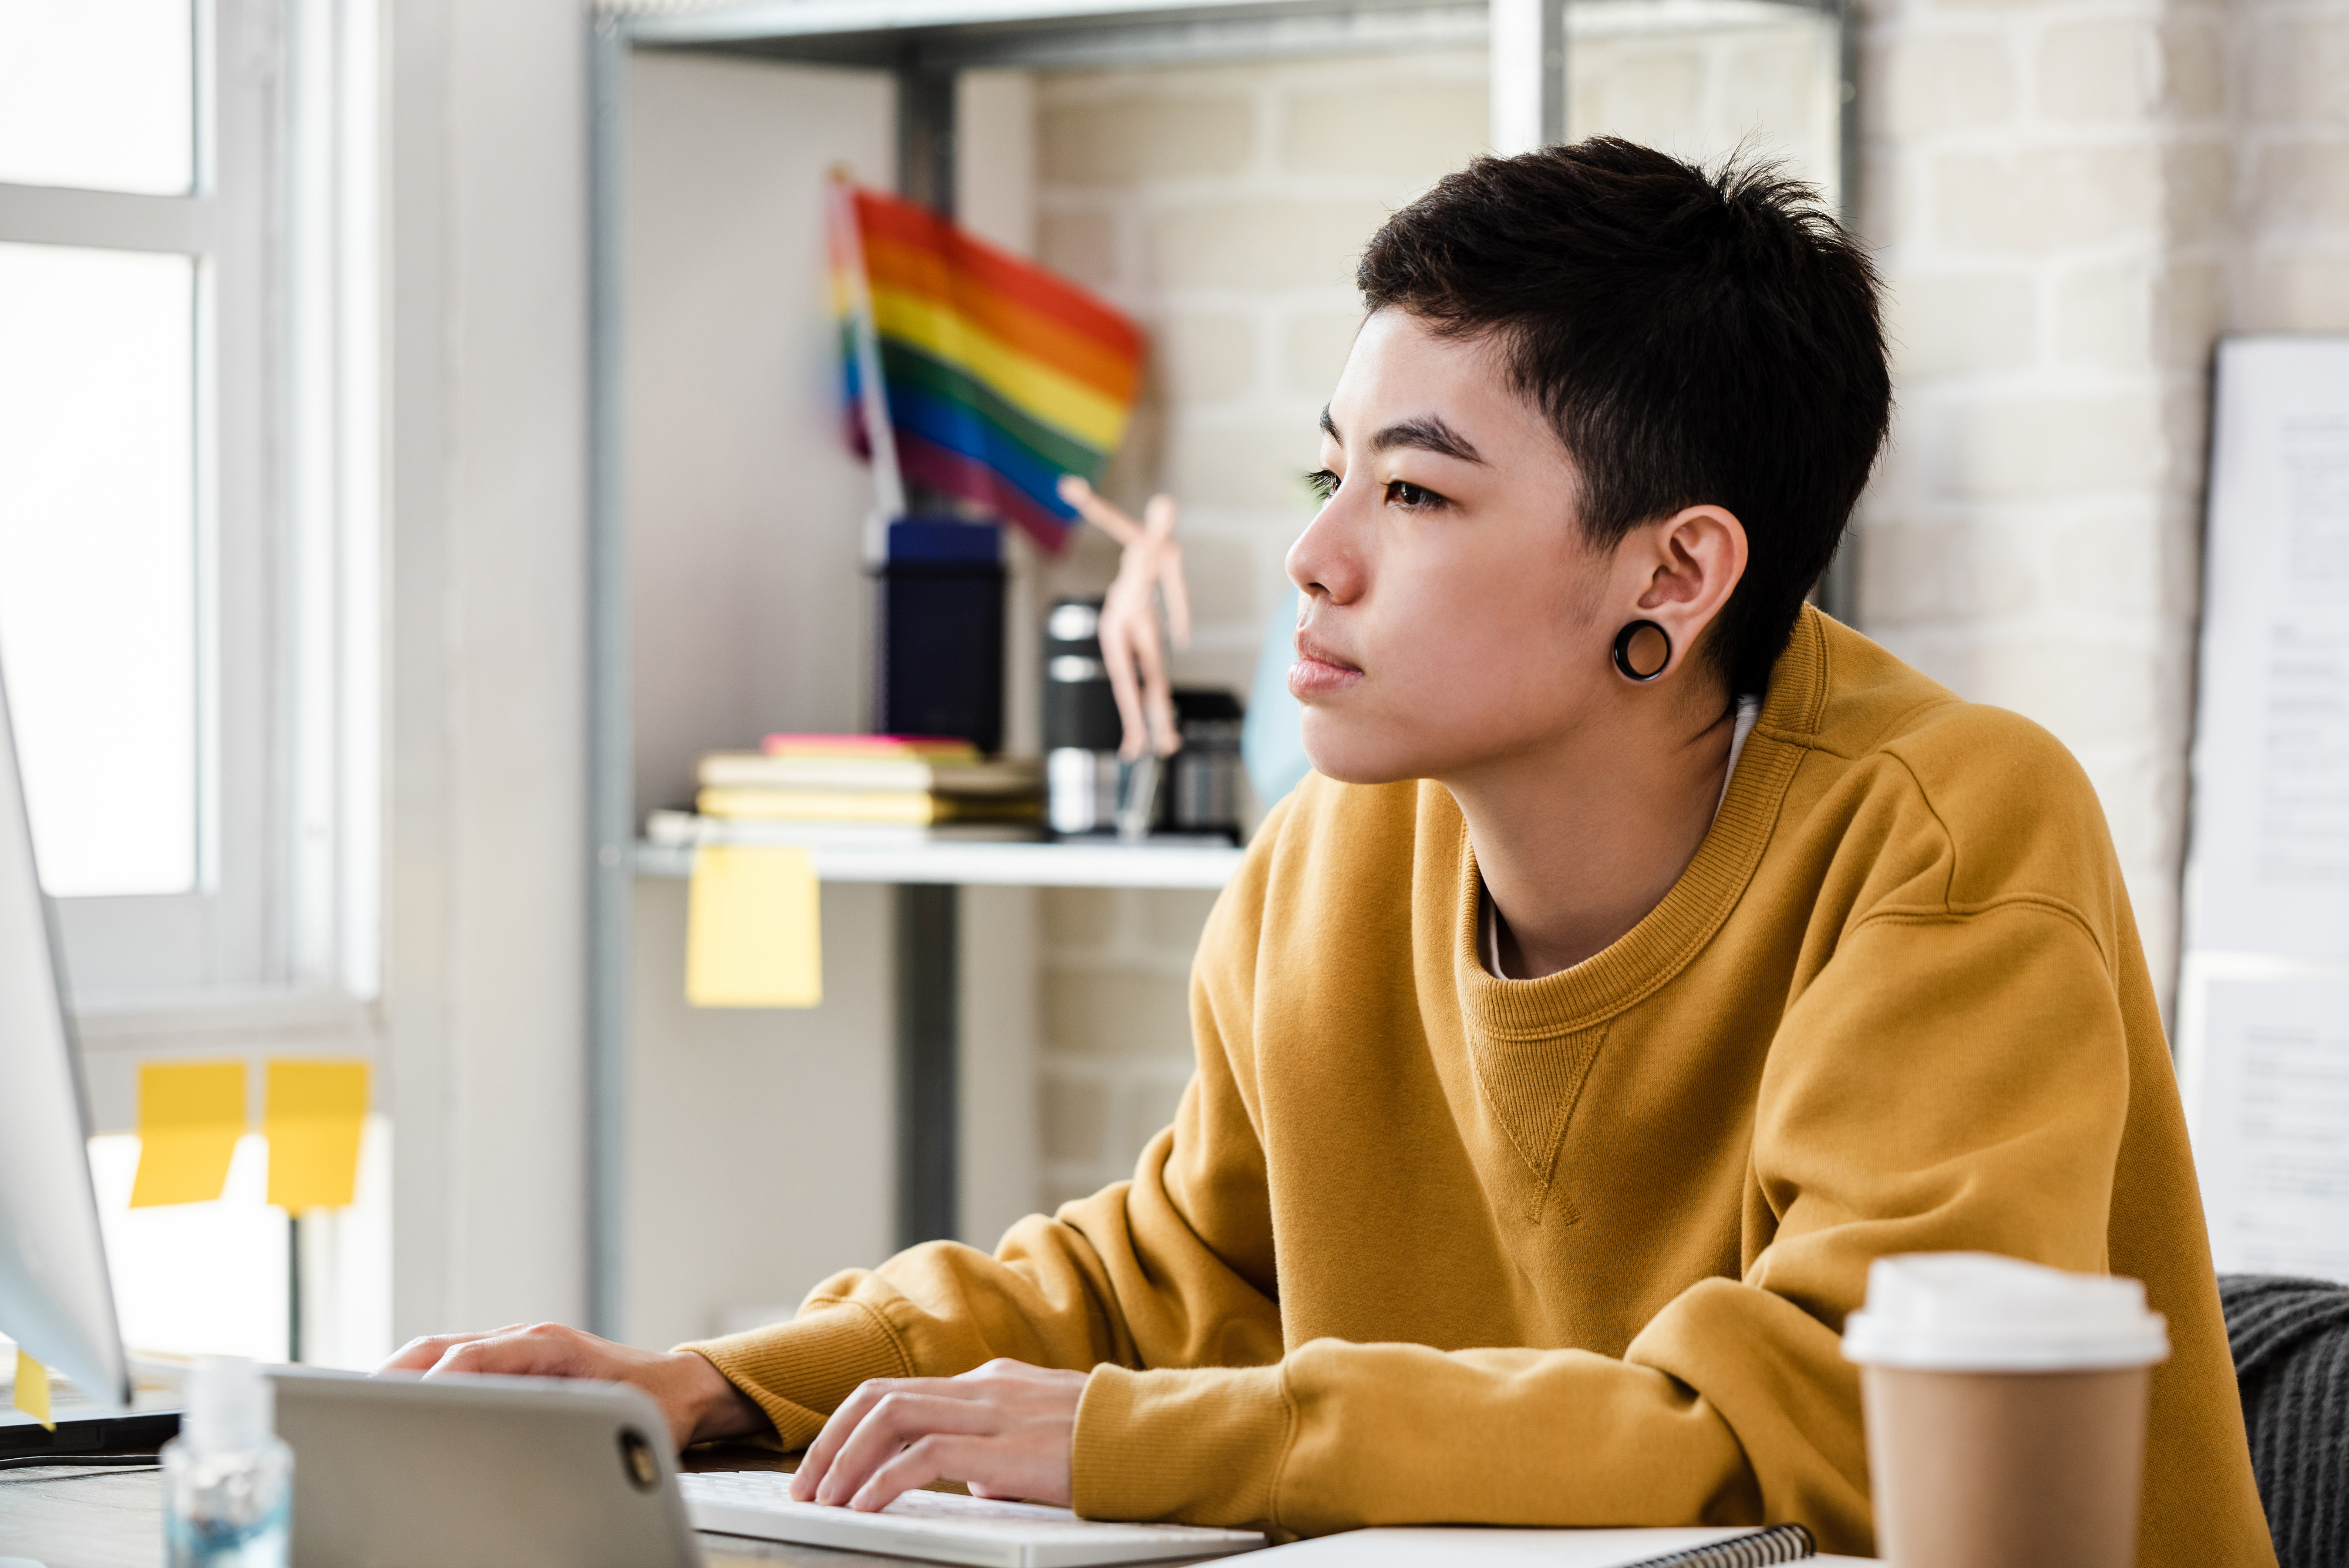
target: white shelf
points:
(996, 864)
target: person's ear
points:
(1687, 565)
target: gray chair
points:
(2290, 1344)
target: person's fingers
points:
(1090, 505)
(836, 1430)
(545, 1350)
(419, 1355)
(894, 1421)
(840, 1427)
(1023, 1453)
(920, 1462)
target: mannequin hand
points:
(701, 1403)
(1006, 1429)
(1130, 648)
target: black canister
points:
(1203, 777)
(941, 632)
(1081, 728)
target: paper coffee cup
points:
(2006, 1410)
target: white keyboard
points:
(942, 1527)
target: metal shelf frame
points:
(926, 42)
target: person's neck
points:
(1578, 840)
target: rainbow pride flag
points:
(997, 376)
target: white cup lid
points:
(1977, 1312)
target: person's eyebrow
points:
(1428, 433)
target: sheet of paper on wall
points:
(752, 936)
(313, 1114)
(2270, 865)
(2269, 1109)
(191, 1115)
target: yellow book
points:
(918, 807)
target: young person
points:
(1646, 955)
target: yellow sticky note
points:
(751, 932)
(191, 1115)
(313, 1116)
(33, 1389)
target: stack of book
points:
(849, 790)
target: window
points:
(187, 521)
(189, 499)
(98, 561)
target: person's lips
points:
(1320, 671)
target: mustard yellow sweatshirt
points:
(1424, 1245)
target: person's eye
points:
(1403, 493)
(1322, 483)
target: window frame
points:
(282, 930)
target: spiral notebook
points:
(1689, 1548)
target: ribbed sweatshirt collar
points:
(1650, 954)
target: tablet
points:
(480, 1473)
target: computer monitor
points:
(56, 1299)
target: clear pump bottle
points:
(227, 1481)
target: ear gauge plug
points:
(1642, 648)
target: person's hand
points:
(1131, 650)
(701, 1403)
(1005, 1429)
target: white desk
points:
(91, 1519)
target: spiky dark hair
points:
(1694, 336)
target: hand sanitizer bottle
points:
(228, 1483)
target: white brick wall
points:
(2073, 199)
(2289, 73)
(1763, 82)
(2046, 183)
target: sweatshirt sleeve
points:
(1172, 1268)
(1947, 1081)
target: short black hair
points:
(1695, 337)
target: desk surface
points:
(108, 1519)
(98, 1518)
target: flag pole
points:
(888, 481)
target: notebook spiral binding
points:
(1779, 1543)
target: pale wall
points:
(485, 884)
(761, 1149)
